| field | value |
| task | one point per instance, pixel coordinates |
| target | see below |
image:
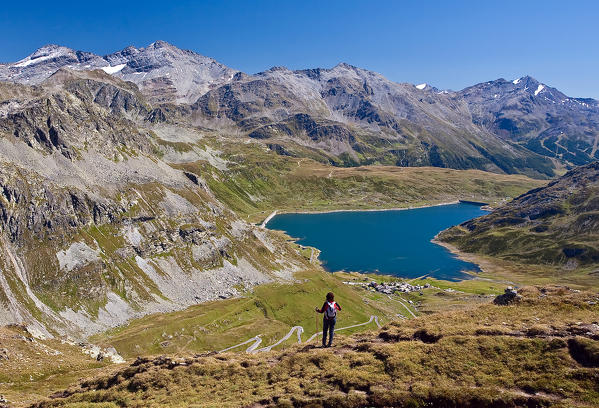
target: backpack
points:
(331, 310)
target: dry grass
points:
(491, 356)
(31, 368)
(510, 272)
(270, 310)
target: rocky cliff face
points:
(557, 224)
(68, 113)
(347, 115)
(95, 227)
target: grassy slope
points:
(551, 233)
(258, 182)
(31, 369)
(512, 272)
(270, 310)
(536, 353)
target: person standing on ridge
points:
(329, 308)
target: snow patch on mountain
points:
(113, 70)
(539, 89)
(28, 61)
(421, 86)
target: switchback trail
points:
(256, 341)
(299, 330)
(375, 318)
(403, 304)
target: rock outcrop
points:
(508, 297)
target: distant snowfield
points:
(28, 61)
(539, 89)
(115, 69)
(421, 86)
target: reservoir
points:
(394, 242)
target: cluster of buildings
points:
(389, 288)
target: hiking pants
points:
(328, 325)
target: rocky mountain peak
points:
(278, 69)
(48, 52)
(50, 49)
(160, 53)
(127, 51)
(161, 44)
(529, 84)
(344, 65)
(521, 110)
(526, 79)
(163, 72)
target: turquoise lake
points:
(396, 242)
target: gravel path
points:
(256, 341)
(403, 304)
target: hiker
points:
(329, 308)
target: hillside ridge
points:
(556, 225)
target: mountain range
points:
(346, 115)
(128, 181)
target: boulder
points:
(509, 296)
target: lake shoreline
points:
(400, 244)
(279, 212)
(464, 256)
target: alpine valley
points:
(133, 186)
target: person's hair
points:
(330, 296)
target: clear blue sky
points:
(449, 44)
